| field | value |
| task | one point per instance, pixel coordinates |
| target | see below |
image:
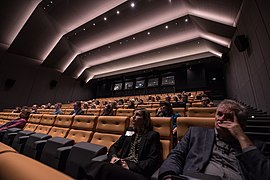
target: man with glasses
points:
(225, 151)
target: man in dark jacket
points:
(225, 152)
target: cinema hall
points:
(135, 90)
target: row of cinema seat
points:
(17, 166)
(105, 132)
(192, 111)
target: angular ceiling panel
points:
(91, 39)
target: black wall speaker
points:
(9, 83)
(53, 84)
(241, 42)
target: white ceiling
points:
(72, 36)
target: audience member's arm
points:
(115, 148)
(174, 164)
(256, 164)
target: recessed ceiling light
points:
(186, 20)
(51, 2)
(132, 4)
(148, 33)
(75, 34)
(105, 18)
(166, 27)
(133, 38)
(117, 12)
(109, 47)
(120, 42)
(84, 29)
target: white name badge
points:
(129, 133)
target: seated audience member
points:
(225, 151)
(58, 109)
(140, 102)
(85, 105)
(168, 98)
(34, 109)
(120, 103)
(17, 110)
(107, 110)
(77, 108)
(158, 98)
(48, 106)
(166, 110)
(206, 102)
(17, 123)
(131, 105)
(135, 155)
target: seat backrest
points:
(109, 129)
(163, 125)
(35, 118)
(180, 110)
(183, 123)
(152, 111)
(84, 122)
(94, 112)
(112, 124)
(202, 111)
(47, 119)
(68, 111)
(124, 112)
(63, 121)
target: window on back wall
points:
(140, 84)
(117, 87)
(129, 85)
(153, 82)
(167, 80)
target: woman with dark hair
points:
(135, 155)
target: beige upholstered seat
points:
(82, 128)
(61, 126)
(202, 111)
(163, 125)
(183, 123)
(180, 110)
(109, 129)
(124, 112)
(24, 168)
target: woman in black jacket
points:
(135, 155)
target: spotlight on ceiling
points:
(132, 4)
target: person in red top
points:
(18, 123)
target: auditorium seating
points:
(82, 128)
(109, 129)
(152, 111)
(163, 125)
(180, 110)
(201, 111)
(124, 112)
(183, 123)
(46, 124)
(61, 125)
(17, 166)
(93, 112)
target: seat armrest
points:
(65, 149)
(100, 158)
(39, 145)
(12, 135)
(155, 175)
(23, 139)
(62, 155)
